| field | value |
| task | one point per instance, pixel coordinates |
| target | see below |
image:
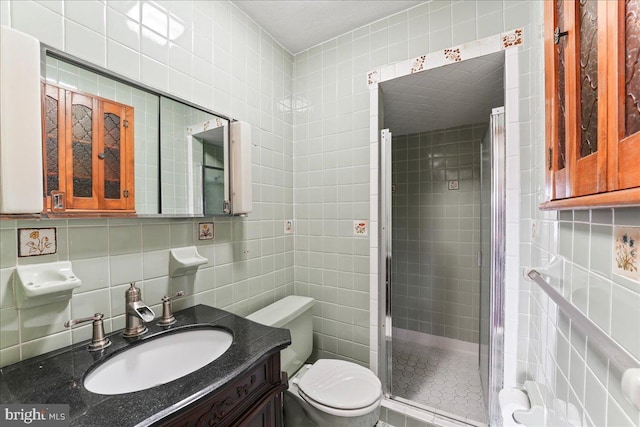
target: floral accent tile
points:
(453, 55)
(36, 241)
(512, 38)
(205, 231)
(418, 64)
(361, 228)
(626, 252)
(373, 78)
(288, 226)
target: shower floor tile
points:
(445, 380)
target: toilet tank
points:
(296, 314)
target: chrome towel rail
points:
(628, 364)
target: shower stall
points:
(441, 246)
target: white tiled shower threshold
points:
(442, 381)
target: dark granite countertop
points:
(57, 377)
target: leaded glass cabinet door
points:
(624, 100)
(589, 85)
(556, 113)
(53, 141)
(115, 156)
(82, 161)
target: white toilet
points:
(329, 392)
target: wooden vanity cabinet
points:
(87, 152)
(592, 101)
(254, 399)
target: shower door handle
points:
(388, 285)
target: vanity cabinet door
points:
(254, 399)
(88, 146)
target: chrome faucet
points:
(137, 313)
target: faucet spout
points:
(137, 313)
(140, 310)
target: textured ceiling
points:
(458, 94)
(299, 25)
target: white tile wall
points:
(229, 64)
(550, 351)
(241, 72)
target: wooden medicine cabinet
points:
(592, 101)
(87, 152)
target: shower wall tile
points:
(434, 271)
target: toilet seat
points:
(345, 413)
(340, 388)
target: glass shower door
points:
(485, 264)
(491, 260)
(385, 259)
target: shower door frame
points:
(496, 261)
(381, 333)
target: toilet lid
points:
(340, 384)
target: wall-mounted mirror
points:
(193, 144)
(179, 154)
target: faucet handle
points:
(174, 296)
(98, 340)
(167, 316)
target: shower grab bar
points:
(628, 364)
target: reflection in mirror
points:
(146, 131)
(180, 151)
(194, 169)
(213, 167)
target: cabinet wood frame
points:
(97, 203)
(609, 177)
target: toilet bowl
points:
(328, 392)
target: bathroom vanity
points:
(241, 387)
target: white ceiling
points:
(458, 94)
(299, 25)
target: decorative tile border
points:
(453, 55)
(512, 38)
(626, 252)
(288, 226)
(205, 231)
(418, 64)
(450, 55)
(360, 227)
(36, 241)
(372, 78)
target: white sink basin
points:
(158, 361)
